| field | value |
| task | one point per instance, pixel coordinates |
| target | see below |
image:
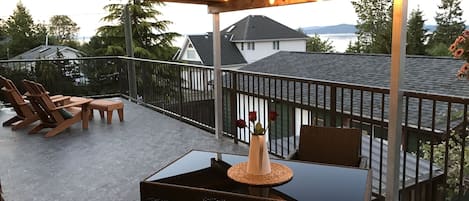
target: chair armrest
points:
(363, 162)
(60, 99)
(292, 156)
(57, 96)
(73, 104)
(23, 103)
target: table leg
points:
(85, 115)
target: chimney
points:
(47, 40)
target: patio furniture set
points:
(56, 112)
(327, 160)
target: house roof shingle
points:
(259, 27)
(204, 46)
(43, 51)
(422, 73)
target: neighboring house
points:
(198, 49)
(246, 41)
(49, 52)
(53, 52)
(258, 36)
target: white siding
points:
(265, 48)
(197, 79)
(247, 104)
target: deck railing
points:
(434, 164)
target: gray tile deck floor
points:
(105, 162)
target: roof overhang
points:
(219, 6)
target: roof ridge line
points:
(245, 34)
(371, 54)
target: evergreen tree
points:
(3, 40)
(150, 36)
(3, 32)
(416, 33)
(315, 44)
(374, 26)
(24, 34)
(63, 29)
(355, 47)
(449, 24)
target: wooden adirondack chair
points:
(24, 113)
(57, 117)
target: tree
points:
(150, 36)
(24, 34)
(3, 32)
(374, 26)
(416, 33)
(453, 147)
(449, 23)
(63, 28)
(3, 40)
(315, 44)
(354, 47)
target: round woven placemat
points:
(279, 174)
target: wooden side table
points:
(107, 106)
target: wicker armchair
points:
(338, 146)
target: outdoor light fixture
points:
(271, 2)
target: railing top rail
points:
(58, 59)
(409, 93)
(165, 62)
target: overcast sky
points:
(192, 19)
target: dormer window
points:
(191, 54)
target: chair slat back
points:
(11, 87)
(42, 102)
(12, 95)
(340, 146)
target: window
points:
(242, 46)
(191, 54)
(276, 45)
(251, 46)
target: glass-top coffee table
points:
(201, 175)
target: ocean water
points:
(339, 41)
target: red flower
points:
(453, 47)
(252, 116)
(273, 116)
(465, 33)
(240, 123)
(458, 53)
